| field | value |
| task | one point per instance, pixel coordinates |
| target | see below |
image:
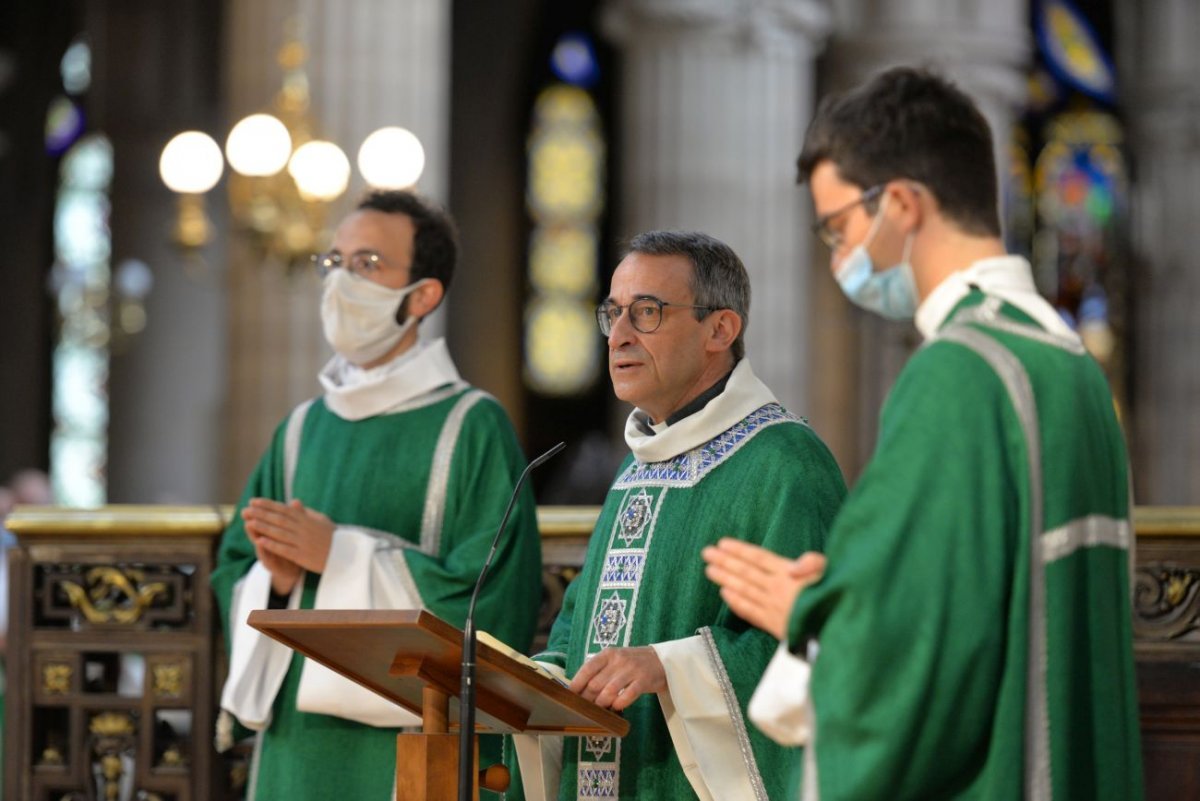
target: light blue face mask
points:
(890, 292)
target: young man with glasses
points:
(382, 493)
(713, 455)
(972, 610)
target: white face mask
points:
(359, 316)
(890, 292)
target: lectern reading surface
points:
(397, 653)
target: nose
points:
(622, 332)
(836, 256)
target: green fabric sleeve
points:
(485, 467)
(793, 517)
(909, 612)
(558, 644)
(235, 555)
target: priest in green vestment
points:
(382, 493)
(970, 622)
(713, 454)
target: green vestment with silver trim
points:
(431, 483)
(974, 619)
(769, 480)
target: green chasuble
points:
(974, 621)
(767, 479)
(422, 491)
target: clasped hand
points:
(288, 539)
(760, 586)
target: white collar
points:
(657, 443)
(1009, 278)
(353, 393)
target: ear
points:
(425, 298)
(904, 204)
(724, 327)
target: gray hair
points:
(719, 280)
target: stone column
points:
(715, 100)
(372, 63)
(167, 382)
(1160, 66)
(982, 45)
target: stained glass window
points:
(565, 199)
(1082, 195)
(80, 279)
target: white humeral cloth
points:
(258, 663)
(701, 730)
(1009, 278)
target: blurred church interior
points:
(148, 360)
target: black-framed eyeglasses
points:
(645, 314)
(822, 227)
(363, 263)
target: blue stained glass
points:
(573, 60)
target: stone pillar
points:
(982, 45)
(167, 383)
(372, 63)
(715, 100)
(1160, 66)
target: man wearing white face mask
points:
(971, 614)
(382, 493)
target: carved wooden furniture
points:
(110, 654)
(114, 653)
(1166, 630)
(115, 658)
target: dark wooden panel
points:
(1166, 625)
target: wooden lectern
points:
(413, 658)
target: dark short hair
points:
(910, 123)
(719, 279)
(435, 242)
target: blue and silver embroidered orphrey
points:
(686, 469)
(611, 622)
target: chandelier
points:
(282, 177)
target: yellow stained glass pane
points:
(563, 259)
(1084, 128)
(565, 172)
(562, 346)
(561, 103)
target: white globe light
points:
(391, 158)
(258, 145)
(191, 163)
(321, 170)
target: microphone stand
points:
(466, 694)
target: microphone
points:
(466, 694)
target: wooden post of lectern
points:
(412, 658)
(427, 763)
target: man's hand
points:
(760, 586)
(289, 531)
(615, 677)
(284, 574)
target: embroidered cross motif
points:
(598, 747)
(635, 517)
(609, 620)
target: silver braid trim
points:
(735, 714)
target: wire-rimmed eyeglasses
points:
(822, 228)
(363, 263)
(645, 314)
